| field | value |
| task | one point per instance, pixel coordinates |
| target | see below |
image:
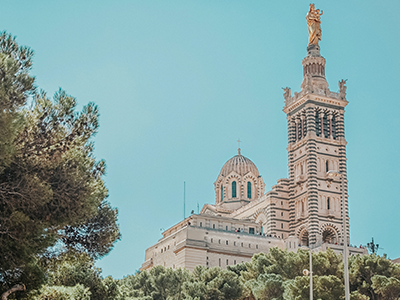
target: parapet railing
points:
(237, 232)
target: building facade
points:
(304, 210)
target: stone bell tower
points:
(316, 145)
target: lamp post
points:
(311, 273)
(332, 175)
(306, 273)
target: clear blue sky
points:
(178, 82)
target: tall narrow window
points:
(234, 189)
(334, 127)
(222, 193)
(325, 127)
(249, 189)
(327, 166)
(301, 169)
(299, 130)
(317, 124)
(328, 204)
(302, 206)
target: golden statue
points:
(314, 25)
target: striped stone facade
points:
(304, 210)
(316, 145)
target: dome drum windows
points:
(234, 194)
(239, 179)
(248, 189)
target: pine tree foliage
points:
(72, 269)
(52, 195)
(275, 275)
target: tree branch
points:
(17, 287)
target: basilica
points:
(308, 209)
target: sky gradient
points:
(178, 82)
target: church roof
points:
(240, 164)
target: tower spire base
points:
(313, 51)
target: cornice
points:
(314, 97)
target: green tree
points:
(362, 269)
(267, 286)
(291, 264)
(355, 295)
(52, 195)
(213, 283)
(324, 287)
(16, 85)
(386, 288)
(158, 284)
(72, 268)
(77, 292)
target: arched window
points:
(249, 189)
(234, 189)
(327, 166)
(328, 204)
(302, 206)
(222, 193)
(301, 169)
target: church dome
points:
(240, 164)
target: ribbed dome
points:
(240, 164)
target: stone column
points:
(292, 139)
(303, 131)
(321, 124)
(298, 136)
(330, 125)
(311, 148)
(291, 130)
(343, 164)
